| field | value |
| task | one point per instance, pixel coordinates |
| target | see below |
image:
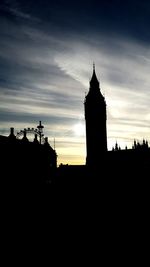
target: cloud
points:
(16, 9)
(44, 76)
(124, 76)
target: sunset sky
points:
(47, 50)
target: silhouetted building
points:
(95, 119)
(27, 162)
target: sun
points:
(79, 129)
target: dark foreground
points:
(88, 217)
(72, 184)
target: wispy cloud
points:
(44, 76)
(16, 9)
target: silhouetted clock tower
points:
(95, 121)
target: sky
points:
(47, 50)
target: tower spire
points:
(94, 81)
(93, 66)
(95, 120)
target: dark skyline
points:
(47, 49)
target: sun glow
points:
(79, 129)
